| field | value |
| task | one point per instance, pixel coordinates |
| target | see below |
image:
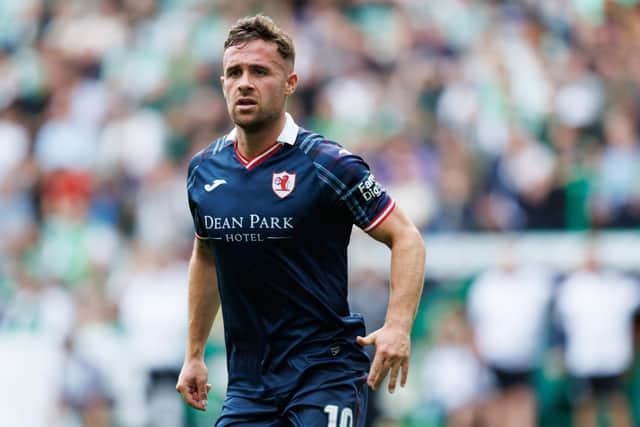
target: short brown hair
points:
(261, 27)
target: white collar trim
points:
(288, 135)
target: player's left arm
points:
(392, 341)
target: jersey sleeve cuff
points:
(381, 216)
(199, 237)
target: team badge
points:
(283, 183)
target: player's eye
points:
(260, 71)
(233, 72)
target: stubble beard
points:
(255, 123)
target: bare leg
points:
(462, 417)
(520, 407)
(620, 415)
(584, 414)
(97, 414)
(493, 411)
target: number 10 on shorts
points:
(346, 416)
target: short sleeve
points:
(356, 188)
(191, 196)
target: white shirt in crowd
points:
(453, 377)
(153, 311)
(596, 311)
(507, 310)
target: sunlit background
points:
(507, 130)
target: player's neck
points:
(252, 142)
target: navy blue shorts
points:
(321, 400)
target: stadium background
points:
(493, 124)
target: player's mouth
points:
(246, 103)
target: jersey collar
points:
(288, 135)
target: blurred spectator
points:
(85, 32)
(132, 142)
(153, 312)
(453, 377)
(406, 171)
(101, 342)
(579, 98)
(160, 219)
(64, 249)
(24, 367)
(17, 177)
(33, 328)
(63, 142)
(616, 198)
(41, 307)
(454, 167)
(524, 178)
(83, 392)
(596, 309)
(507, 309)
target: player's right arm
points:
(204, 303)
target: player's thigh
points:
(338, 403)
(240, 411)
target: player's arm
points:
(392, 341)
(204, 302)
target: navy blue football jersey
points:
(279, 226)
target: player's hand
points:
(192, 383)
(393, 346)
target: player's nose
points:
(245, 83)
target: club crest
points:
(283, 183)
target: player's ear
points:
(292, 82)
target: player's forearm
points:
(407, 279)
(204, 299)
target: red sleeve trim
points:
(381, 216)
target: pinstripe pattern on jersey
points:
(342, 174)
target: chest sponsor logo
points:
(251, 228)
(283, 183)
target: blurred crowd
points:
(475, 115)
(522, 345)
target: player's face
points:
(256, 83)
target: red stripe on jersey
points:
(381, 216)
(264, 154)
(240, 157)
